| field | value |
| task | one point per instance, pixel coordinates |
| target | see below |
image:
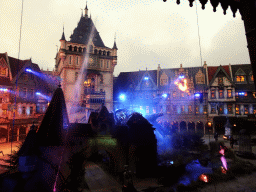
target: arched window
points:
(70, 48)
(95, 51)
(70, 59)
(108, 53)
(99, 52)
(80, 49)
(104, 52)
(75, 48)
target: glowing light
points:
(241, 93)
(3, 89)
(122, 97)
(182, 84)
(28, 70)
(181, 77)
(44, 96)
(164, 95)
(38, 93)
(145, 78)
(223, 159)
(197, 94)
(203, 177)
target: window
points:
(77, 60)
(168, 109)
(182, 109)
(220, 80)
(251, 78)
(246, 109)
(76, 75)
(240, 78)
(213, 108)
(31, 111)
(230, 109)
(221, 95)
(147, 109)
(213, 95)
(221, 109)
(23, 110)
(70, 58)
(190, 109)
(237, 109)
(254, 95)
(205, 109)
(197, 109)
(101, 63)
(229, 93)
(107, 64)
(3, 71)
(75, 48)
(254, 109)
(70, 48)
(4, 112)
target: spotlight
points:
(38, 93)
(164, 95)
(122, 97)
(181, 77)
(145, 78)
(28, 70)
(241, 93)
(3, 89)
(197, 94)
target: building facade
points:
(22, 96)
(86, 68)
(194, 98)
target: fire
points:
(182, 84)
(204, 178)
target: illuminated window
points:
(254, 109)
(246, 109)
(230, 108)
(220, 80)
(3, 71)
(229, 93)
(251, 78)
(240, 78)
(221, 109)
(190, 109)
(221, 95)
(4, 112)
(197, 109)
(254, 95)
(237, 109)
(205, 109)
(213, 94)
(213, 108)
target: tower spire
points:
(115, 47)
(86, 10)
(63, 35)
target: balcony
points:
(93, 92)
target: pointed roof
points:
(82, 32)
(52, 129)
(115, 47)
(223, 70)
(63, 35)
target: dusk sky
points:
(148, 32)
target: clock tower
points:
(85, 66)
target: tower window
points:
(104, 52)
(70, 58)
(107, 64)
(95, 51)
(70, 48)
(77, 60)
(100, 52)
(75, 48)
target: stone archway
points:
(183, 126)
(191, 127)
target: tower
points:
(86, 68)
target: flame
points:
(182, 84)
(204, 178)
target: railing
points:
(92, 92)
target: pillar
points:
(18, 133)
(248, 13)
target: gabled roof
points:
(212, 70)
(16, 65)
(151, 79)
(82, 32)
(219, 70)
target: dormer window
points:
(3, 71)
(220, 80)
(240, 78)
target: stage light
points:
(164, 95)
(241, 93)
(181, 77)
(38, 93)
(28, 70)
(145, 78)
(122, 97)
(197, 95)
(3, 89)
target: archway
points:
(191, 126)
(183, 126)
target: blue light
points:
(3, 89)
(181, 77)
(122, 97)
(197, 94)
(145, 78)
(38, 93)
(164, 95)
(241, 93)
(28, 70)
